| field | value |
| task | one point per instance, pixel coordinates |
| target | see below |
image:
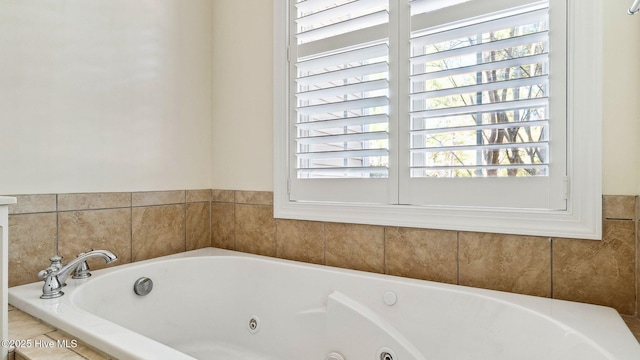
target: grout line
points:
(324, 243)
(637, 268)
(131, 227)
(457, 257)
(384, 250)
(235, 245)
(275, 237)
(57, 241)
(551, 266)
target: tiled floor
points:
(39, 341)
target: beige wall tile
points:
(595, 272)
(90, 201)
(359, 247)
(255, 229)
(519, 264)
(620, 207)
(223, 196)
(300, 240)
(32, 241)
(422, 254)
(198, 225)
(198, 195)
(157, 231)
(598, 272)
(150, 198)
(223, 228)
(110, 229)
(28, 204)
(254, 197)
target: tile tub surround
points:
(143, 225)
(598, 272)
(135, 226)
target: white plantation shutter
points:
(479, 100)
(466, 115)
(340, 73)
(479, 110)
(427, 102)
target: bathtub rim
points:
(131, 345)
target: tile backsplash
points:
(143, 225)
(135, 226)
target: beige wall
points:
(253, 171)
(621, 128)
(242, 95)
(115, 97)
(105, 95)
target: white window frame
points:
(583, 216)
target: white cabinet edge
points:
(7, 200)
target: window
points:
(452, 114)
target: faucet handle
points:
(56, 262)
(82, 271)
(54, 267)
(52, 286)
(43, 274)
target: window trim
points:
(583, 217)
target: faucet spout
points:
(55, 276)
(66, 270)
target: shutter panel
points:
(342, 89)
(483, 88)
(465, 84)
(479, 106)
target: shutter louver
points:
(479, 96)
(342, 89)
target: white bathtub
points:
(203, 302)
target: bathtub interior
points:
(206, 306)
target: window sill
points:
(569, 224)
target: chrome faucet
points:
(55, 276)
